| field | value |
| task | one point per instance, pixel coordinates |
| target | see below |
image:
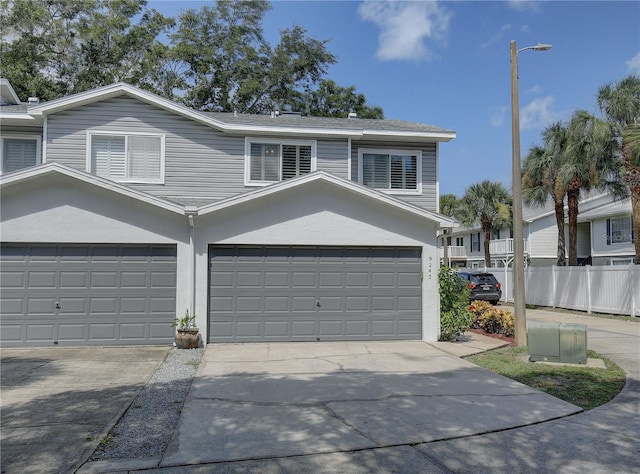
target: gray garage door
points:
(314, 293)
(87, 294)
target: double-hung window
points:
(269, 161)
(620, 230)
(394, 171)
(19, 151)
(136, 158)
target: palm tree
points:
(488, 204)
(542, 179)
(449, 206)
(589, 164)
(620, 104)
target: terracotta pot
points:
(187, 339)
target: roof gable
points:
(321, 176)
(46, 170)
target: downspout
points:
(191, 212)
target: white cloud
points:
(497, 37)
(498, 115)
(634, 63)
(405, 27)
(534, 90)
(524, 5)
(538, 113)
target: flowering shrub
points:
(492, 320)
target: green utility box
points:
(557, 342)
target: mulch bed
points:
(502, 337)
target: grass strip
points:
(585, 387)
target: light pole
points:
(518, 233)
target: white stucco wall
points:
(63, 210)
(320, 214)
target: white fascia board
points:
(324, 176)
(611, 209)
(56, 168)
(298, 131)
(8, 92)
(387, 134)
(17, 116)
(114, 90)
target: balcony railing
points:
(497, 248)
(455, 251)
(504, 247)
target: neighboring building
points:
(605, 237)
(121, 209)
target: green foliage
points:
(585, 387)
(454, 297)
(214, 58)
(491, 319)
(58, 47)
(449, 205)
(331, 100)
(185, 322)
(489, 204)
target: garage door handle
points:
(57, 305)
(318, 304)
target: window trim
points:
(626, 260)
(21, 136)
(112, 133)
(389, 152)
(274, 141)
(609, 231)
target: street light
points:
(518, 233)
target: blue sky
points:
(447, 64)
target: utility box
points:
(556, 342)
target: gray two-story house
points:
(120, 210)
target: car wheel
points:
(494, 302)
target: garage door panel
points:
(87, 294)
(311, 293)
(41, 332)
(276, 329)
(71, 332)
(42, 279)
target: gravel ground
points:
(147, 427)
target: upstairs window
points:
(620, 230)
(270, 161)
(393, 171)
(127, 158)
(19, 152)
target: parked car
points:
(482, 286)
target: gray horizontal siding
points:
(428, 199)
(201, 163)
(333, 157)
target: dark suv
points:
(482, 286)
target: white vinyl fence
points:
(611, 289)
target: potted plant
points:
(187, 333)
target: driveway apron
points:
(58, 403)
(261, 401)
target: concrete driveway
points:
(266, 401)
(58, 403)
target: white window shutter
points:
(18, 154)
(144, 157)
